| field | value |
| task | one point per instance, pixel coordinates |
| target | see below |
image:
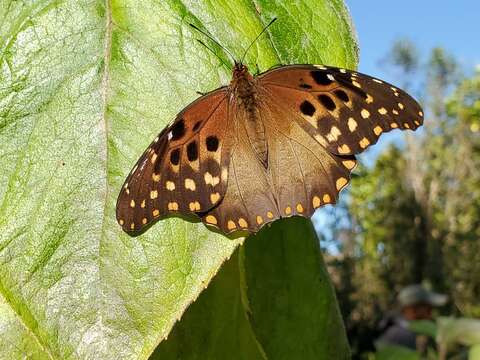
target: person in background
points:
(415, 303)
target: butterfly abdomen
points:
(255, 129)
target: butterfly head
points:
(239, 70)
(242, 80)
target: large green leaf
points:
(84, 87)
(474, 353)
(216, 325)
(291, 301)
(273, 301)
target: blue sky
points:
(453, 25)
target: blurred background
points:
(412, 212)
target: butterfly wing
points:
(304, 173)
(206, 163)
(343, 110)
(316, 119)
(184, 170)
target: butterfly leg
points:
(200, 93)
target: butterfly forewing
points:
(343, 110)
(184, 170)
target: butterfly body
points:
(244, 94)
(279, 144)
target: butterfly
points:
(279, 144)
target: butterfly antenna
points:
(215, 41)
(214, 53)
(253, 42)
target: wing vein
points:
(301, 171)
(203, 124)
(321, 163)
(238, 187)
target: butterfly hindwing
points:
(184, 170)
(343, 110)
(305, 174)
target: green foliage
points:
(458, 216)
(396, 353)
(395, 226)
(474, 353)
(85, 86)
(404, 54)
(403, 59)
(424, 327)
(464, 331)
(286, 309)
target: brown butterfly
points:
(279, 144)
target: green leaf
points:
(474, 353)
(216, 325)
(462, 331)
(84, 87)
(268, 302)
(291, 301)
(392, 352)
(424, 327)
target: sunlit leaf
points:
(84, 87)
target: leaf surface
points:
(84, 87)
(272, 300)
